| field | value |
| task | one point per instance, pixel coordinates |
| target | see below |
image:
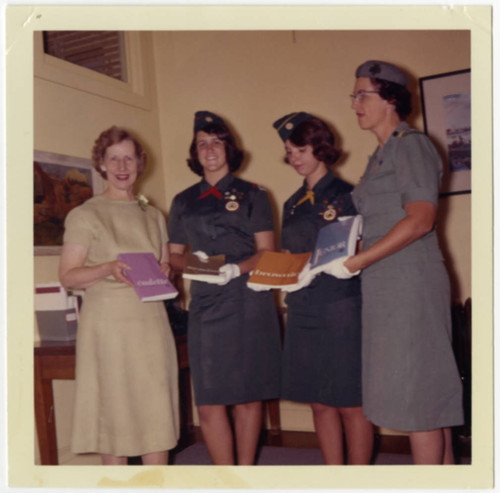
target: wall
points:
(251, 78)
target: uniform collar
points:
(221, 185)
(323, 183)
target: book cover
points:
(278, 270)
(149, 281)
(206, 270)
(334, 241)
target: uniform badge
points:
(232, 206)
(330, 214)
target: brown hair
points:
(234, 155)
(314, 132)
(109, 137)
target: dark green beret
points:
(287, 124)
(205, 118)
(384, 71)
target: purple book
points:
(149, 281)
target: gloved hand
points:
(339, 270)
(228, 272)
(305, 278)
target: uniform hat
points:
(384, 71)
(287, 124)
(205, 118)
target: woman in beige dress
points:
(126, 400)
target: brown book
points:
(278, 270)
(203, 270)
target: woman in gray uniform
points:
(322, 350)
(410, 379)
(233, 332)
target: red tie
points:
(211, 191)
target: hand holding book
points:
(291, 272)
(149, 282)
(304, 279)
(228, 272)
(212, 269)
(339, 270)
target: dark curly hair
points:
(396, 94)
(315, 132)
(112, 136)
(234, 155)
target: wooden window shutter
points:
(101, 51)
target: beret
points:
(384, 71)
(287, 124)
(205, 118)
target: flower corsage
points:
(142, 201)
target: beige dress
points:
(126, 365)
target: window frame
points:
(135, 91)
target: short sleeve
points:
(77, 228)
(261, 218)
(175, 226)
(418, 169)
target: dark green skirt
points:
(234, 343)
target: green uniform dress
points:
(322, 346)
(410, 378)
(233, 332)
(126, 401)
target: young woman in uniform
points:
(233, 332)
(322, 347)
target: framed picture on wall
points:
(60, 183)
(446, 108)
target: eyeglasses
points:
(360, 95)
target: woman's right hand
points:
(117, 270)
(73, 273)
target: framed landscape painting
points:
(60, 183)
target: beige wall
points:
(251, 78)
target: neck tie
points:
(211, 191)
(308, 196)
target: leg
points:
(449, 455)
(247, 425)
(217, 433)
(328, 428)
(113, 460)
(427, 447)
(359, 435)
(155, 459)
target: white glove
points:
(228, 272)
(201, 255)
(339, 270)
(305, 278)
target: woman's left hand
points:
(339, 269)
(228, 272)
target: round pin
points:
(329, 215)
(232, 206)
